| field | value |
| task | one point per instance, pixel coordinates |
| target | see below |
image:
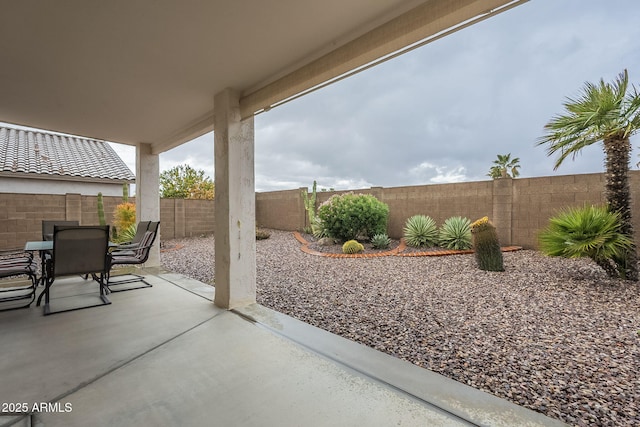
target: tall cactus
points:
(310, 204)
(101, 210)
(486, 245)
(125, 192)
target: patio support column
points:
(148, 194)
(235, 238)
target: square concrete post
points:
(502, 209)
(148, 194)
(235, 228)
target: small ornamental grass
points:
(455, 233)
(420, 231)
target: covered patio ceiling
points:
(146, 71)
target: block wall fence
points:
(518, 207)
(21, 215)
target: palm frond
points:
(599, 111)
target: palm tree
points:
(607, 113)
(505, 167)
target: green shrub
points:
(486, 245)
(455, 233)
(380, 241)
(590, 231)
(352, 247)
(348, 216)
(419, 231)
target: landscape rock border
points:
(397, 251)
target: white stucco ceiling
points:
(147, 70)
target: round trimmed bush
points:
(347, 216)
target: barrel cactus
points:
(486, 245)
(352, 247)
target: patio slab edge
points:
(462, 401)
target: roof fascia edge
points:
(47, 177)
(197, 128)
(420, 23)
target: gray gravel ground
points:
(550, 334)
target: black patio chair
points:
(15, 264)
(138, 256)
(135, 242)
(78, 250)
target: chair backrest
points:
(47, 227)
(142, 253)
(140, 230)
(153, 226)
(80, 249)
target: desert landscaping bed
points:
(550, 334)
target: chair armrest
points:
(15, 257)
(127, 246)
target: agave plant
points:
(420, 230)
(380, 241)
(317, 228)
(591, 231)
(455, 233)
(128, 233)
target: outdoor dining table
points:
(46, 245)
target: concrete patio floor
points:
(166, 356)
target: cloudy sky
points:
(443, 112)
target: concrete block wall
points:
(281, 210)
(199, 217)
(167, 220)
(21, 215)
(186, 218)
(472, 200)
(535, 200)
(519, 208)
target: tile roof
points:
(38, 152)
